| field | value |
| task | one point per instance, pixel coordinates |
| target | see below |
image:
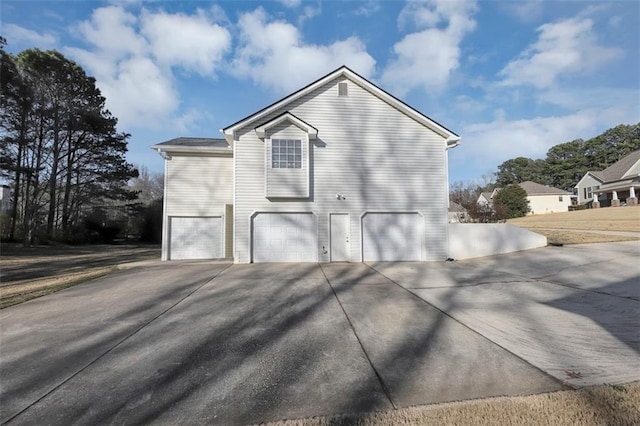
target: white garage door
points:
(195, 238)
(392, 236)
(285, 237)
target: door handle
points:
(347, 239)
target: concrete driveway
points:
(205, 342)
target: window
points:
(286, 154)
(560, 198)
(589, 193)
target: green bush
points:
(511, 202)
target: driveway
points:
(206, 342)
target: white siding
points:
(587, 181)
(376, 156)
(542, 204)
(287, 183)
(196, 185)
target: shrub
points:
(511, 202)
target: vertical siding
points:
(380, 159)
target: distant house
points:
(612, 186)
(542, 199)
(546, 199)
(485, 199)
(5, 199)
(457, 213)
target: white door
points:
(195, 238)
(340, 245)
(392, 236)
(285, 237)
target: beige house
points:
(546, 199)
(338, 171)
(542, 199)
(617, 184)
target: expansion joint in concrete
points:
(121, 341)
(384, 387)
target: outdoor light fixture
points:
(340, 196)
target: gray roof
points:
(618, 169)
(456, 208)
(486, 195)
(197, 142)
(533, 188)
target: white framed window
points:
(286, 154)
(560, 198)
(589, 193)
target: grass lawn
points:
(573, 227)
(32, 272)
(600, 405)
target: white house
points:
(546, 199)
(617, 183)
(337, 171)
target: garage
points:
(392, 236)
(195, 238)
(285, 237)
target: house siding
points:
(196, 185)
(377, 157)
(542, 204)
(587, 181)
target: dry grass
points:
(602, 405)
(32, 272)
(22, 291)
(603, 219)
(573, 227)
(572, 237)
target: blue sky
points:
(512, 78)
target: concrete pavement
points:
(204, 342)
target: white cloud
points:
(368, 8)
(133, 59)
(111, 32)
(524, 11)
(488, 144)
(191, 42)
(290, 3)
(273, 54)
(426, 58)
(563, 48)
(16, 34)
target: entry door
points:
(340, 245)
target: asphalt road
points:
(205, 342)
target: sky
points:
(512, 78)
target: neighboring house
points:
(457, 213)
(546, 199)
(337, 171)
(5, 199)
(486, 198)
(616, 184)
(542, 199)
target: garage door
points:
(285, 237)
(195, 238)
(392, 236)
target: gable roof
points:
(452, 138)
(287, 116)
(620, 168)
(533, 188)
(486, 195)
(183, 144)
(456, 208)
